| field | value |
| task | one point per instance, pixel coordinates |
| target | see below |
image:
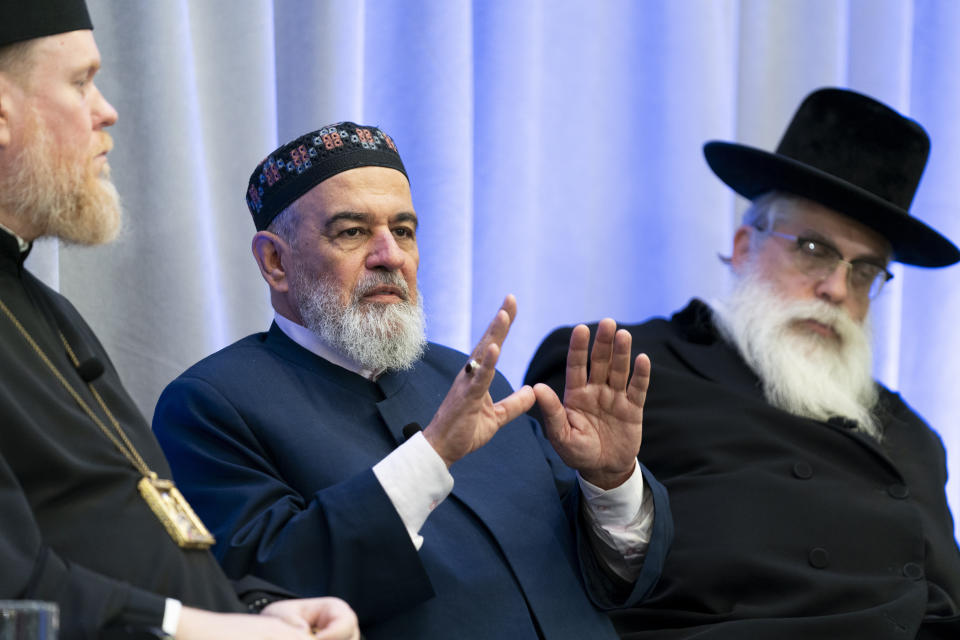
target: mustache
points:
(834, 317)
(105, 143)
(376, 279)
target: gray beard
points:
(802, 373)
(378, 337)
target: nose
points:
(385, 253)
(834, 287)
(104, 115)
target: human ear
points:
(269, 250)
(742, 240)
(6, 99)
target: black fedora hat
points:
(852, 154)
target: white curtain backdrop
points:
(553, 146)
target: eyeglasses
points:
(819, 259)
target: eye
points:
(352, 232)
(404, 232)
(864, 273)
(815, 248)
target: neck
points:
(15, 226)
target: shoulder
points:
(230, 358)
(551, 356)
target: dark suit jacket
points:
(274, 447)
(786, 527)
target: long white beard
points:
(802, 372)
(378, 337)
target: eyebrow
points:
(353, 216)
(90, 65)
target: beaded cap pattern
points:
(298, 166)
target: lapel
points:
(280, 344)
(698, 344)
(405, 402)
(415, 396)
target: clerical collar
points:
(23, 244)
(317, 346)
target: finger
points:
(334, 620)
(640, 382)
(514, 405)
(602, 350)
(337, 630)
(482, 376)
(577, 354)
(554, 415)
(499, 327)
(620, 361)
(290, 613)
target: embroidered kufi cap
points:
(299, 165)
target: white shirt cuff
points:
(621, 521)
(416, 480)
(171, 616)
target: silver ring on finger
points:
(471, 366)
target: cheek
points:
(857, 310)
(785, 278)
(410, 273)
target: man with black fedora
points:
(809, 500)
(89, 517)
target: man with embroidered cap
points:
(302, 447)
(809, 499)
(89, 518)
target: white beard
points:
(378, 337)
(802, 372)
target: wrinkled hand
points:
(598, 428)
(327, 618)
(468, 417)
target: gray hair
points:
(764, 211)
(286, 224)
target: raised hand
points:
(468, 417)
(598, 427)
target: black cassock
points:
(73, 526)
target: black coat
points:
(785, 527)
(73, 527)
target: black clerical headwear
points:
(26, 19)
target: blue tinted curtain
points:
(554, 151)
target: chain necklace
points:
(162, 496)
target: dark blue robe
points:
(274, 446)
